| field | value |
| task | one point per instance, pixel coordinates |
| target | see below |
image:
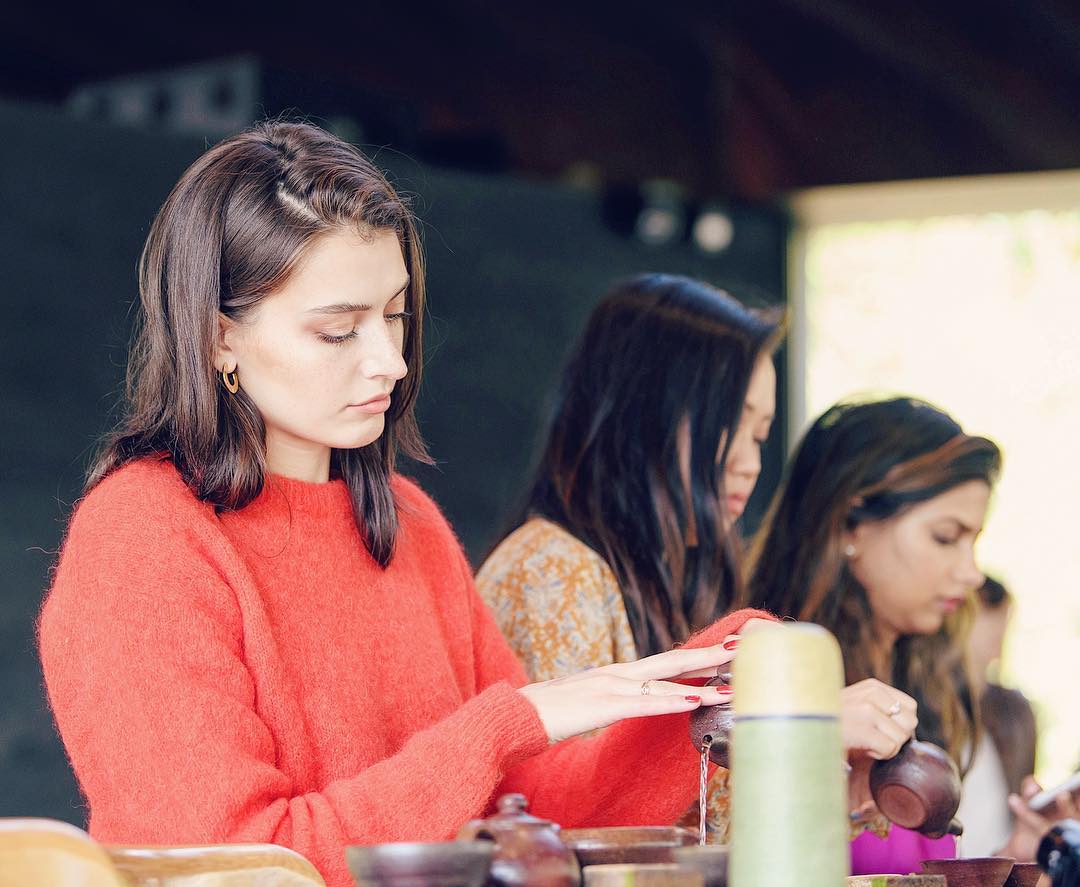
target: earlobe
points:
(224, 357)
(850, 543)
(855, 541)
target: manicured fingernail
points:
(692, 698)
(731, 644)
(722, 688)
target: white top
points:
(984, 807)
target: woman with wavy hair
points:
(872, 535)
(257, 630)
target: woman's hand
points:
(861, 806)
(1029, 826)
(875, 719)
(601, 696)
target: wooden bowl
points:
(626, 844)
(47, 851)
(150, 866)
(442, 864)
(711, 860)
(976, 871)
(1024, 874)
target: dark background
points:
(530, 137)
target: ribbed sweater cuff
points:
(730, 624)
(512, 721)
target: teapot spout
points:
(710, 727)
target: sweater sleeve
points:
(146, 666)
(556, 602)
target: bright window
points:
(967, 294)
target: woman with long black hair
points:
(627, 542)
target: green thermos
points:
(789, 821)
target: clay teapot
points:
(715, 722)
(528, 850)
(918, 789)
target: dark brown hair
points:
(231, 232)
(870, 461)
(659, 352)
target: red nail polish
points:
(722, 688)
(731, 644)
(692, 698)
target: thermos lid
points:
(789, 668)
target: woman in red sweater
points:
(258, 631)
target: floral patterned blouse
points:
(556, 601)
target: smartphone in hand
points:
(1045, 802)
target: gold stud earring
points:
(231, 380)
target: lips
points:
(951, 604)
(378, 404)
(736, 505)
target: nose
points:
(968, 572)
(744, 458)
(381, 357)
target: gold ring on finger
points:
(894, 709)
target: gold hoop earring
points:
(233, 383)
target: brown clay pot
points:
(626, 844)
(528, 850)
(984, 871)
(714, 721)
(918, 789)
(1024, 874)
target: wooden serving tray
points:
(219, 865)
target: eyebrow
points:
(964, 528)
(351, 307)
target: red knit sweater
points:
(255, 676)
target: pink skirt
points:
(901, 853)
